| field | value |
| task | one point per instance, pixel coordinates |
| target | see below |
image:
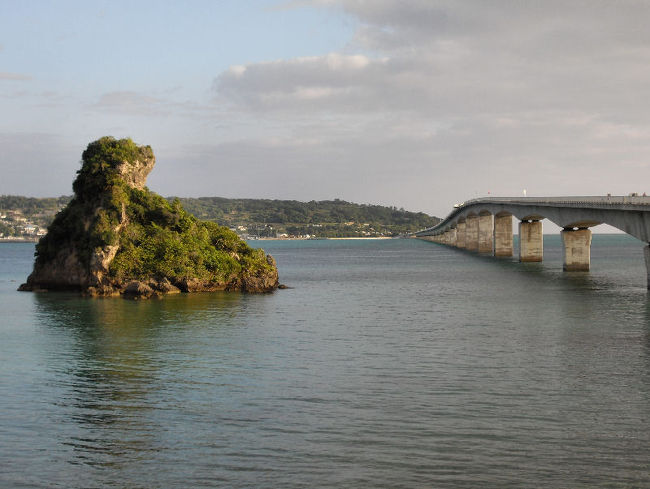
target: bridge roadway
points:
(485, 225)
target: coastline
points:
(370, 237)
(33, 240)
(18, 240)
(318, 239)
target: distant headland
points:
(115, 237)
(28, 217)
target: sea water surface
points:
(388, 364)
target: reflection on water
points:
(111, 372)
(389, 364)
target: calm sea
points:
(389, 364)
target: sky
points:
(418, 104)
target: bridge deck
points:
(630, 214)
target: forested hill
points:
(257, 217)
(325, 218)
(33, 205)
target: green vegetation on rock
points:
(164, 240)
(115, 231)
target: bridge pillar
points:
(577, 249)
(646, 253)
(531, 241)
(485, 234)
(460, 234)
(452, 237)
(471, 233)
(503, 236)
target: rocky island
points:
(118, 238)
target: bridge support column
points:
(471, 236)
(452, 237)
(531, 241)
(646, 253)
(460, 234)
(577, 249)
(485, 234)
(503, 236)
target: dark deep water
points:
(390, 364)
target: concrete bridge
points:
(485, 225)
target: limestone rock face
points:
(255, 282)
(116, 237)
(135, 173)
(63, 272)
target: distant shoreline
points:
(317, 239)
(35, 240)
(369, 237)
(18, 240)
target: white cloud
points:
(445, 59)
(330, 81)
(130, 102)
(497, 93)
(237, 70)
(431, 102)
(14, 76)
(138, 104)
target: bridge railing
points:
(568, 200)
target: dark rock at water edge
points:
(118, 238)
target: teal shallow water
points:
(395, 363)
